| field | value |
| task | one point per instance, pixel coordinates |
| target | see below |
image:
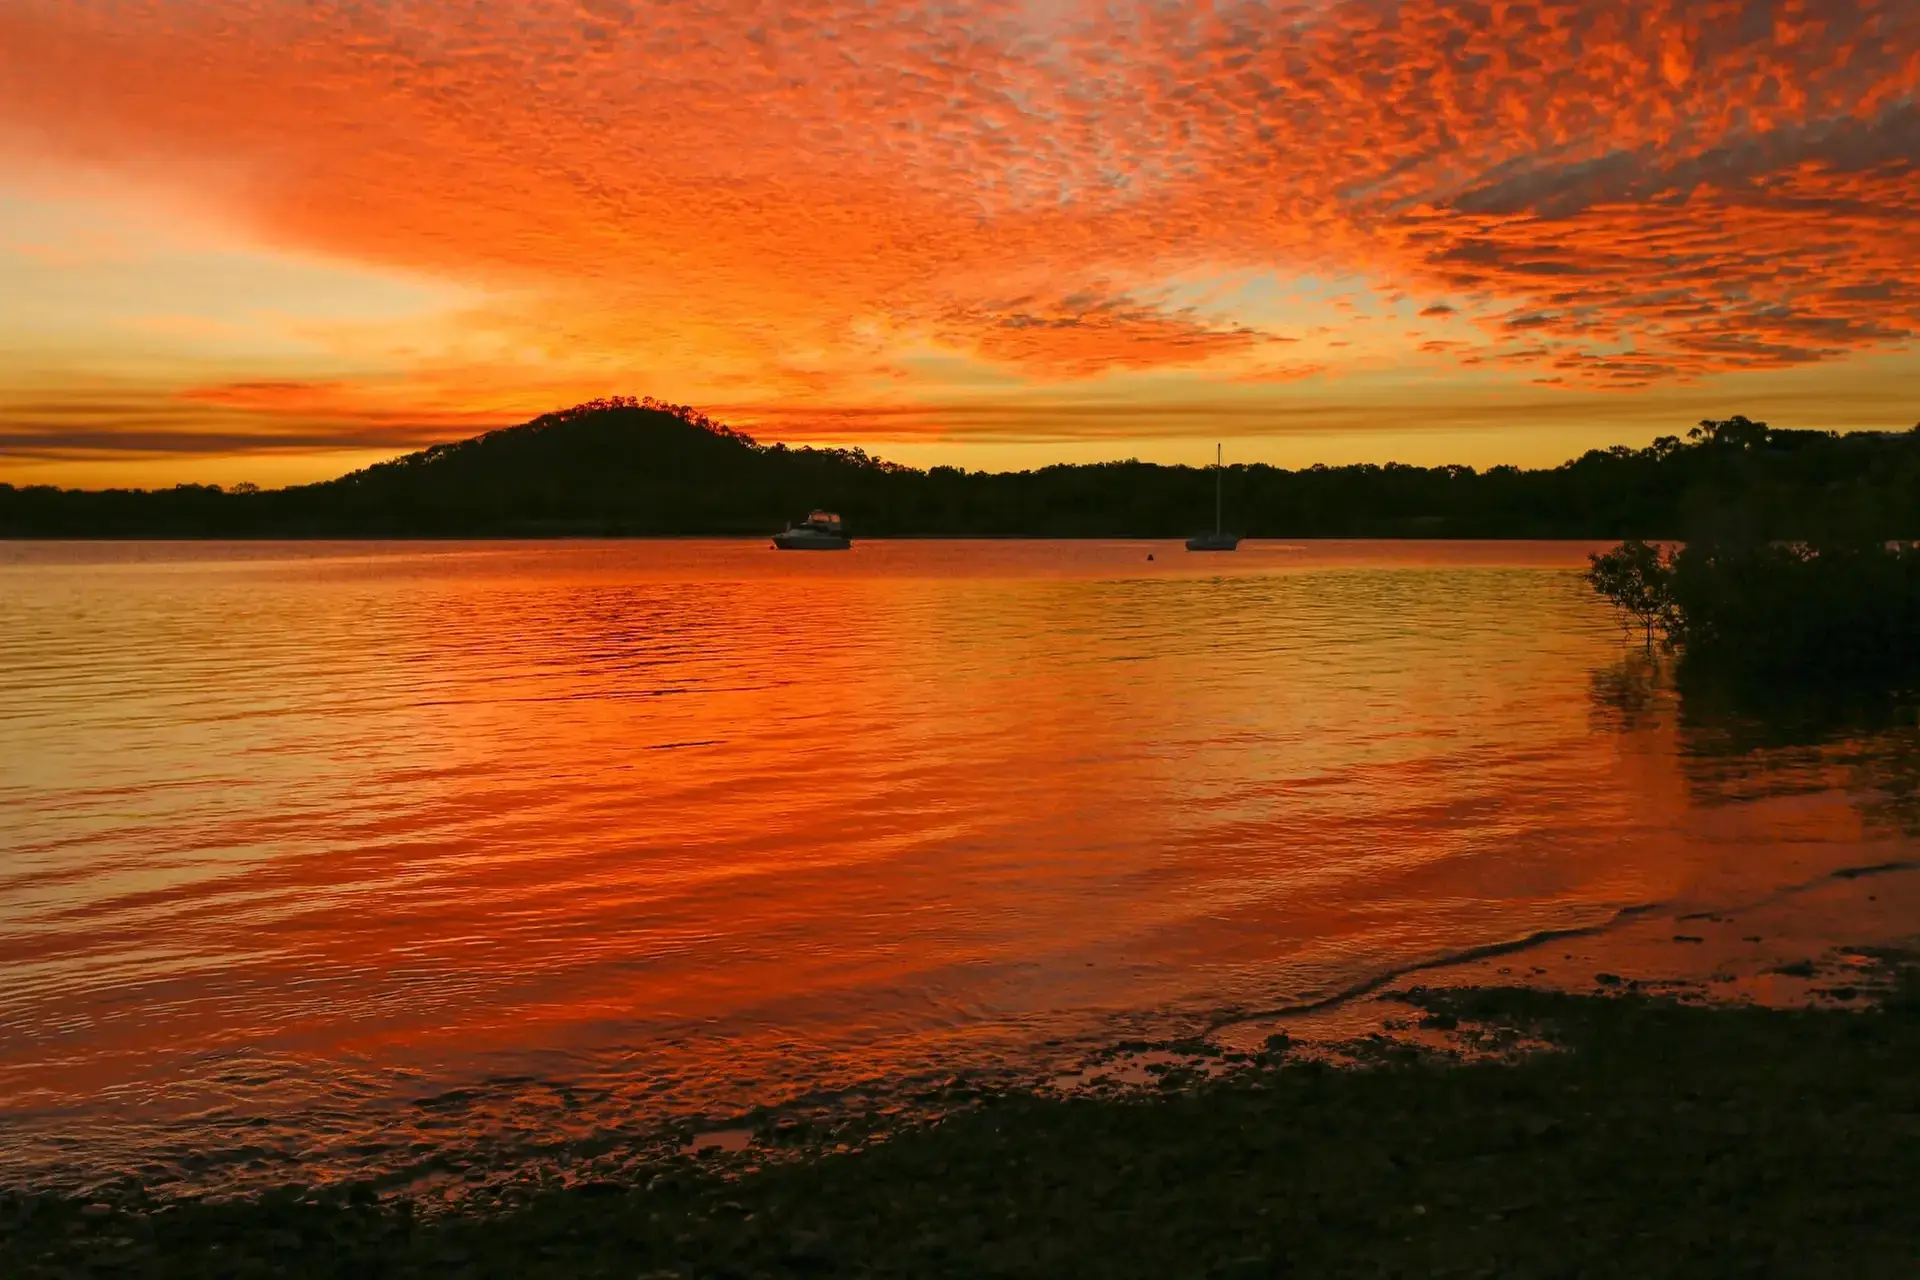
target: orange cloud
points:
(1083, 336)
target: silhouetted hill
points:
(625, 467)
(630, 467)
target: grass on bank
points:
(1665, 1140)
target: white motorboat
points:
(820, 531)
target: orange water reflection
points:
(297, 836)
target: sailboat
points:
(1218, 540)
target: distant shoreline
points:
(631, 469)
(1174, 538)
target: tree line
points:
(624, 467)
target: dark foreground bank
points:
(1664, 1141)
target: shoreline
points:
(1666, 1105)
(1625, 1134)
(1777, 952)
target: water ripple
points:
(338, 860)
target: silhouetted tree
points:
(1737, 432)
(1834, 613)
(1638, 578)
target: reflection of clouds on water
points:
(319, 854)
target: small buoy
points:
(1149, 555)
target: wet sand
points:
(1779, 952)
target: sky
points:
(273, 240)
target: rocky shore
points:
(1520, 1133)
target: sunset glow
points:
(259, 239)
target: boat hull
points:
(1214, 542)
(810, 540)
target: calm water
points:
(316, 860)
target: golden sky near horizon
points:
(276, 239)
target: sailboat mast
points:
(1216, 488)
